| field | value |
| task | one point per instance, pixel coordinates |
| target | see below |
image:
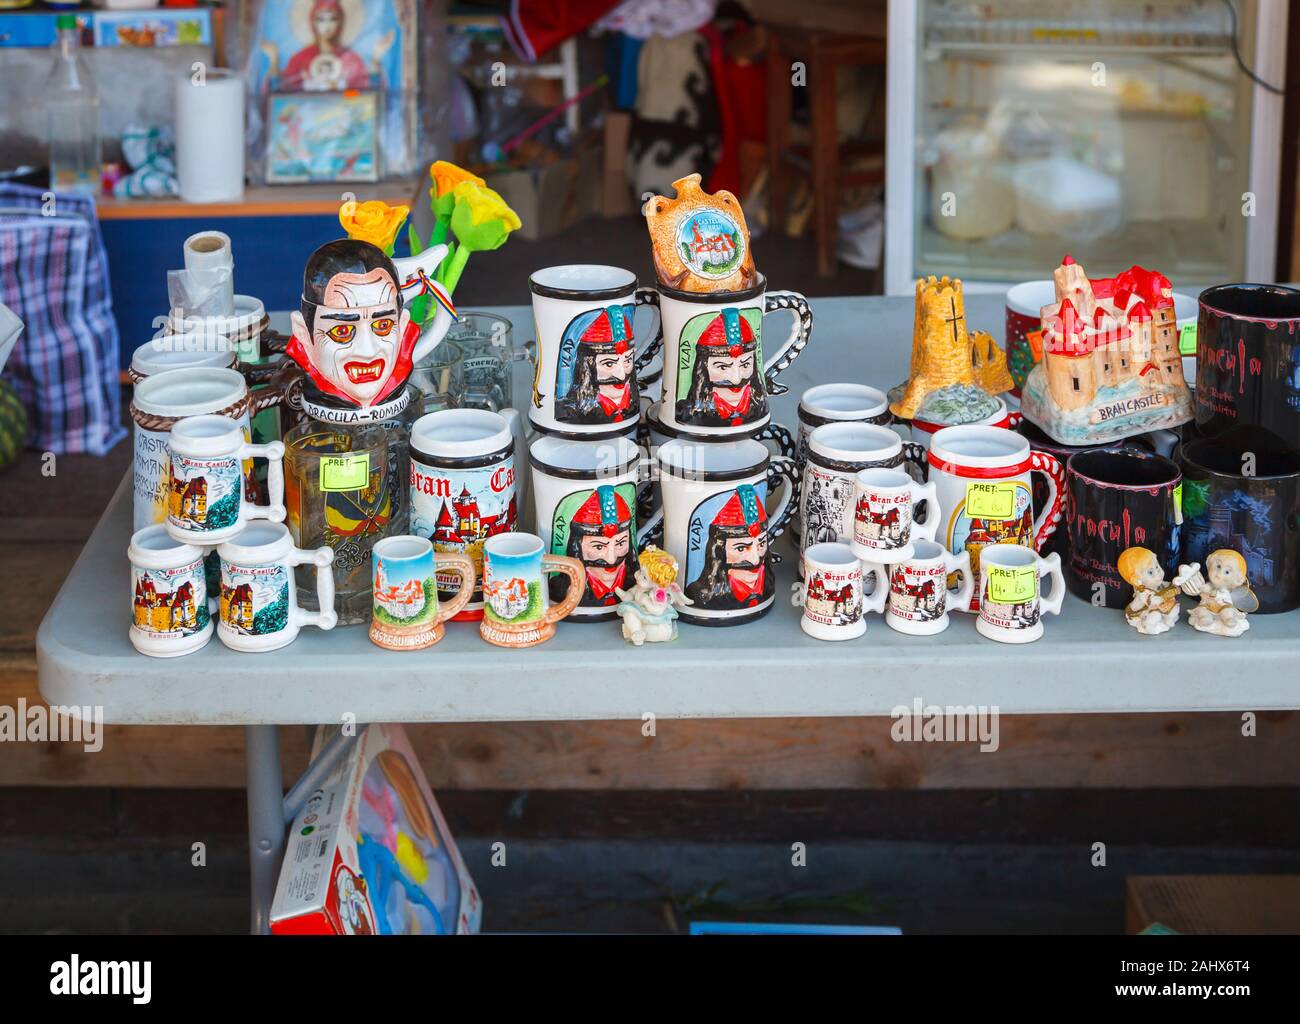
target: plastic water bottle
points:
(73, 115)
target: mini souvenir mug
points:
(171, 613)
(1011, 602)
(517, 611)
(717, 526)
(834, 606)
(407, 615)
(259, 603)
(884, 510)
(588, 375)
(206, 502)
(717, 374)
(919, 596)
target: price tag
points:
(993, 500)
(1187, 340)
(1012, 586)
(1035, 339)
(1178, 503)
(344, 472)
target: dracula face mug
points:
(919, 596)
(206, 502)
(884, 503)
(1012, 603)
(407, 615)
(717, 373)
(717, 525)
(517, 611)
(170, 611)
(834, 606)
(586, 381)
(259, 604)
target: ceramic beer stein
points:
(171, 610)
(1011, 601)
(717, 373)
(985, 490)
(585, 499)
(919, 595)
(463, 485)
(180, 352)
(834, 606)
(259, 604)
(206, 500)
(586, 381)
(717, 526)
(884, 504)
(407, 615)
(517, 611)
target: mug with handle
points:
(1012, 604)
(206, 502)
(831, 594)
(259, 604)
(171, 611)
(407, 615)
(885, 502)
(919, 596)
(517, 609)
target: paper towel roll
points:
(210, 268)
(210, 136)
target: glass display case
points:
(1021, 130)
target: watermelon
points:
(13, 425)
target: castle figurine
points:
(955, 374)
(1111, 365)
(649, 608)
(1226, 597)
(1154, 608)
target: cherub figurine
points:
(649, 608)
(1226, 599)
(1154, 608)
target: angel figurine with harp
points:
(1224, 590)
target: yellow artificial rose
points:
(482, 219)
(375, 222)
(447, 176)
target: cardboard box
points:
(615, 189)
(553, 196)
(370, 852)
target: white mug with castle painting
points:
(259, 604)
(834, 606)
(171, 613)
(206, 501)
(919, 596)
(884, 513)
(1012, 604)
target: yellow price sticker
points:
(1012, 585)
(994, 500)
(345, 472)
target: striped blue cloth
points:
(54, 275)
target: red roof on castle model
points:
(1150, 286)
(1067, 335)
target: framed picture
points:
(322, 136)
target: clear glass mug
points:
(485, 342)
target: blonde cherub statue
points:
(1226, 598)
(1154, 607)
(649, 608)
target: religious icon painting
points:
(595, 378)
(727, 565)
(598, 528)
(720, 369)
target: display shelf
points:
(1089, 660)
(260, 201)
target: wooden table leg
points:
(778, 135)
(825, 161)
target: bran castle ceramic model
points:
(1111, 365)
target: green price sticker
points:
(344, 472)
(1187, 340)
(991, 500)
(1012, 585)
(1178, 503)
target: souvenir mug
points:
(919, 596)
(206, 501)
(834, 606)
(1256, 515)
(1011, 601)
(407, 615)
(1117, 499)
(883, 512)
(985, 490)
(180, 352)
(585, 498)
(717, 526)
(923, 430)
(171, 610)
(259, 605)
(517, 611)
(463, 486)
(835, 403)
(717, 378)
(586, 380)
(1024, 321)
(1248, 362)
